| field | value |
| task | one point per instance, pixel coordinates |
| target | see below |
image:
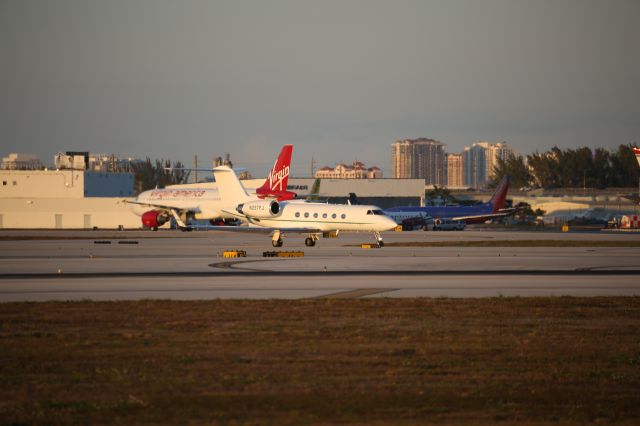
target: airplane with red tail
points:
(275, 186)
(157, 206)
(492, 209)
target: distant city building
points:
(475, 166)
(18, 161)
(342, 171)
(480, 159)
(500, 150)
(455, 171)
(419, 159)
(83, 160)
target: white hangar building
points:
(66, 199)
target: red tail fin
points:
(500, 194)
(276, 183)
(636, 151)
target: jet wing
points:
(481, 218)
(264, 230)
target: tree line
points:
(158, 174)
(570, 168)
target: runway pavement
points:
(76, 265)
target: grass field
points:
(383, 361)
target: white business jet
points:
(296, 216)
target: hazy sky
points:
(337, 79)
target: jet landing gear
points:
(379, 239)
(310, 241)
(276, 239)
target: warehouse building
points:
(66, 199)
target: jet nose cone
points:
(389, 223)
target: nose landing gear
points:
(378, 239)
(276, 239)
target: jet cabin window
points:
(306, 215)
(297, 214)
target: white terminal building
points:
(72, 198)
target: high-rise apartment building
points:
(500, 150)
(475, 166)
(402, 159)
(418, 159)
(480, 159)
(455, 170)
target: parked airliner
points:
(296, 216)
(158, 206)
(492, 209)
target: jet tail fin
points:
(500, 194)
(230, 189)
(276, 183)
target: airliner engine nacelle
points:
(154, 218)
(259, 209)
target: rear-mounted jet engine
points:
(259, 209)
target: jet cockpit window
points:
(378, 212)
(369, 212)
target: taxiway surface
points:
(112, 265)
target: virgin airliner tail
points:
(275, 186)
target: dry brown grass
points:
(518, 360)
